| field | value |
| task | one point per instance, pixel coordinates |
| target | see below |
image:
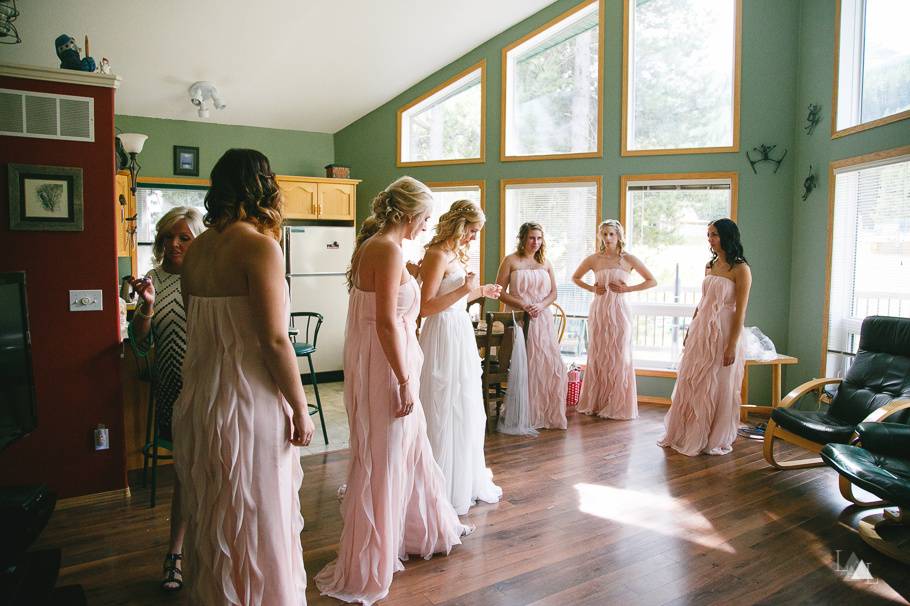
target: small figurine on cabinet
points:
(68, 52)
(105, 66)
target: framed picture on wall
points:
(186, 161)
(45, 198)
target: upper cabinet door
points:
(300, 199)
(122, 210)
(337, 201)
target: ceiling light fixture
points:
(8, 14)
(203, 91)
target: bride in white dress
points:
(450, 382)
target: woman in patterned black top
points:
(161, 321)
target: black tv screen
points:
(18, 414)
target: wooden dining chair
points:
(496, 343)
(560, 320)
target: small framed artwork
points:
(45, 198)
(186, 161)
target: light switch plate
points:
(85, 300)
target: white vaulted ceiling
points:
(291, 64)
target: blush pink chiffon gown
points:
(395, 503)
(704, 413)
(239, 473)
(547, 380)
(609, 388)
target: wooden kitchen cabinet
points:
(125, 212)
(318, 198)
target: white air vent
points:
(29, 114)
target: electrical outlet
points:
(85, 300)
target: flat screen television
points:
(18, 406)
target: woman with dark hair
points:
(242, 411)
(704, 413)
(529, 284)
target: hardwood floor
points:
(595, 515)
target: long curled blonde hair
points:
(453, 225)
(541, 255)
(401, 201)
(617, 226)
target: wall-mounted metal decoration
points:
(814, 117)
(809, 183)
(764, 152)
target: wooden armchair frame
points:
(775, 432)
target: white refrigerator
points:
(316, 259)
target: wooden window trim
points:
(482, 66)
(737, 68)
(598, 153)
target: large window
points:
(666, 219)
(681, 84)
(152, 203)
(872, 83)
(870, 251)
(445, 126)
(444, 194)
(568, 209)
(551, 89)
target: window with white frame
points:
(681, 86)
(873, 79)
(552, 88)
(152, 203)
(568, 213)
(666, 226)
(870, 252)
(446, 125)
(443, 197)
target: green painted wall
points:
(768, 115)
(809, 250)
(290, 152)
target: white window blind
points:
(551, 96)
(446, 125)
(681, 74)
(666, 227)
(443, 197)
(873, 78)
(568, 214)
(870, 256)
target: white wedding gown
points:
(452, 396)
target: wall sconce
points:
(132, 144)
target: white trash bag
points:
(758, 345)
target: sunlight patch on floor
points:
(659, 513)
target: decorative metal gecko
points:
(765, 156)
(814, 117)
(809, 183)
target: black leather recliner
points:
(880, 465)
(877, 387)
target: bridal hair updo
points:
(403, 200)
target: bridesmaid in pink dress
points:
(528, 283)
(395, 503)
(609, 388)
(242, 410)
(704, 414)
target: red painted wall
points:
(76, 355)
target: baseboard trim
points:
(328, 376)
(654, 400)
(97, 498)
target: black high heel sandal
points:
(173, 574)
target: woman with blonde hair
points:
(394, 501)
(243, 411)
(529, 284)
(609, 387)
(160, 322)
(450, 388)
